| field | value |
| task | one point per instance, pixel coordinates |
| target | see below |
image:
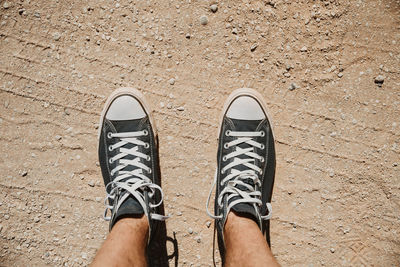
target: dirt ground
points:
(336, 200)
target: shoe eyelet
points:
(145, 132)
(262, 133)
(224, 158)
(262, 146)
(222, 172)
(110, 148)
(262, 159)
(148, 158)
(146, 145)
(226, 146)
(110, 161)
(109, 135)
(228, 132)
(149, 171)
(261, 172)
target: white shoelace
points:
(134, 181)
(237, 178)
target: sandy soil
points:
(337, 193)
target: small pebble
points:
(180, 108)
(204, 20)
(171, 81)
(253, 47)
(24, 173)
(214, 8)
(293, 86)
(208, 224)
(36, 219)
(6, 5)
(56, 36)
(379, 80)
(340, 74)
(190, 230)
(332, 250)
(58, 137)
(188, 36)
(304, 49)
(91, 183)
(198, 239)
(84, 256)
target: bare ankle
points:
(136, 222)
(234, 220)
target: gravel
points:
(171, 81)
(214, 8)
(253, 47)
(304, 49)
(293, 86)
(56, 36)
(6, 5)
(379, 80)
(204, 20)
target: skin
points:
(126, 244)
(245, 244)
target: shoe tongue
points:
(128, 126)
(245, 209)
(130, 207)
(244, 126)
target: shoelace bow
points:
(134, 182)
(238, 178)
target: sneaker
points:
(128, 156)
(246, 163)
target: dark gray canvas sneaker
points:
(246, 163)
(128, 156)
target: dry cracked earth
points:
(329, 71)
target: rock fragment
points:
(293, 86)
(171, 81)
(204, 20)
(304, 49)
(379, 80)
(6, 5)
(253, 47)
(214, 8)
(56, 36)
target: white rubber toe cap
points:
(245, 108)
(125, 107)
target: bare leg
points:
(125, 245)
(245, 244)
